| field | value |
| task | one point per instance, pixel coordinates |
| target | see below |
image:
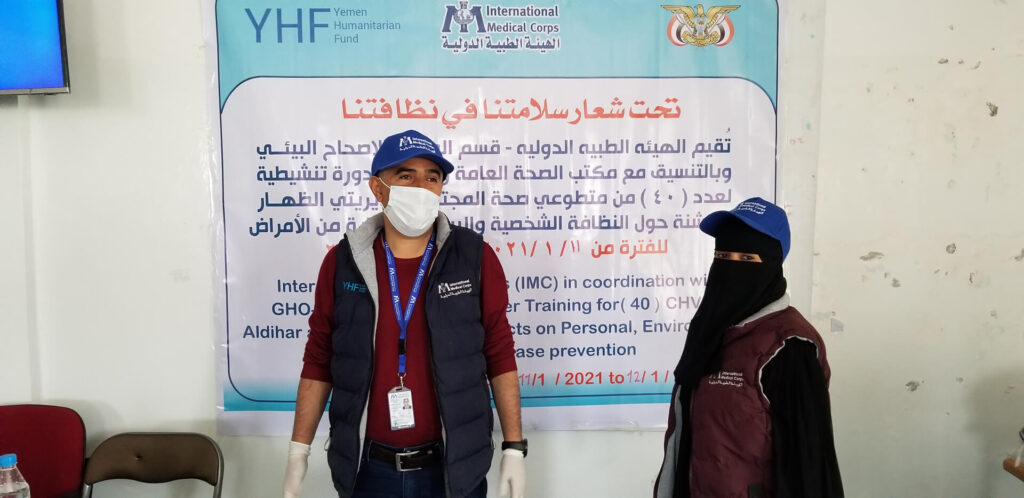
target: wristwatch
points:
(514, 445)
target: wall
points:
(113, 219)
(919, 243)
(899, 179)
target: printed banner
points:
(589, 139)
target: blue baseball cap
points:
(403, 146)
(756, 213)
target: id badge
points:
(400, 406)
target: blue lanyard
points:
(403, 319)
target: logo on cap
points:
(754, 207)
(407, 142)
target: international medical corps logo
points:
(449, 289)
(500, 28)
(464, 15)
(728, 379)
(694, 26)
(407, 142)
(752, 206)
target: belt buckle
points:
(398, 460)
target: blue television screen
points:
(33, 55)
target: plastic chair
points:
(155, 457)
(50, 443)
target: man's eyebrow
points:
(405, 169)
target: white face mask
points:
(412, 210)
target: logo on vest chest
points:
(353, 287)
(728, 379)
(449, 289)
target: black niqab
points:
(734, 291)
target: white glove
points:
(512, 479)
(298, 456)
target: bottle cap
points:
(8, 460)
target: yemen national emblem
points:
(695, 26)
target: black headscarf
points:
(734, 291)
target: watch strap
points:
(514, 445)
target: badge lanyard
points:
(403, 318)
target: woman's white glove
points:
(512, 479)
(298, 461)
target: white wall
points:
(106, 276)
(919, 243)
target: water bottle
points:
(12, 484)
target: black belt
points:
(407, 459)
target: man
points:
(409, 310)
(750, 412)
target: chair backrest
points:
(156, 457)
(50, 443)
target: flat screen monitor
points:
(33, 53)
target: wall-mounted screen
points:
(33, 52)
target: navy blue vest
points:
(452, 306)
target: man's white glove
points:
(298, 461)
(512, 479)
